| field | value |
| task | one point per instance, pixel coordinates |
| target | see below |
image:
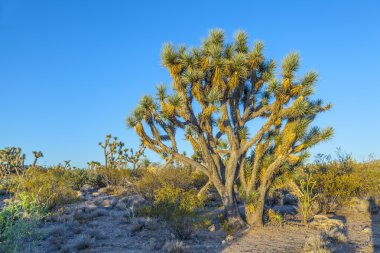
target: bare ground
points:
(104, 223)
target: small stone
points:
(120, 206)
(229, 238)
(134, 228)
(86, 187)
(212, 228)
(367, 230)
(111, 202)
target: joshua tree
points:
(134, 157)
(11, 160)
(109, 151)
(116, 156)
(93, 165)
(246, 124)
(67, 164)
(37, 155)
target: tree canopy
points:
(247, 122)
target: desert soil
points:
(105, 223)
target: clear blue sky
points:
(71, 71)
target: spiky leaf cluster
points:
(218, 90)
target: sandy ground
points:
(103, 223)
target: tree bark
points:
(254, 213)
(231, 210)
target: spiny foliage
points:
(116, 156)
(12, 160)
(218, 90)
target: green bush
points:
(49, 188)
(18, 222)
(101, 177)
(177, 206)
(338, 181)
(152, 179)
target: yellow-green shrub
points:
(337, 182)
(47, 187)
(177, 206)
(101, 177)
(151, 179)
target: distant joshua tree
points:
(12, 160)
(247, 124)
(117, 157)
(37, 155)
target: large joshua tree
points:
(247, 124)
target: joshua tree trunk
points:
(254, 213)
(231, 209)
(35, 162)
(203, 190)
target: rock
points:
(285, 209)
(224, 242)
(367, 230)
(103, 190)
(289, 199)
(135, 201)
(211, 228)
(121, 206)
(89, 208)
(80, 195)
(142, 221)
(86, 187)
(362, 205)
(95, 194)
(229, 238)
(108, 202)
(322, 221)
(134, 228)
(68, 210)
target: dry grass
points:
(83, 242)
(175, 247)
(317, 244)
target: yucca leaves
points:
(241, 39)
(218, 90)
(290, 64)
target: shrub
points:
(184, 178)
(317, 244)
(18, 222)
(48, 188)
(303, 188)
(275, 217)
(177, 206)
(338, 181)
(100, 177)
(175, 247)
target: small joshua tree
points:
(67, 164)
(134, 157)
(304, 190)
(109, 150)
(12, 160)
(220, 90)
(37, 155)
(93, 165)
(117, 157)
